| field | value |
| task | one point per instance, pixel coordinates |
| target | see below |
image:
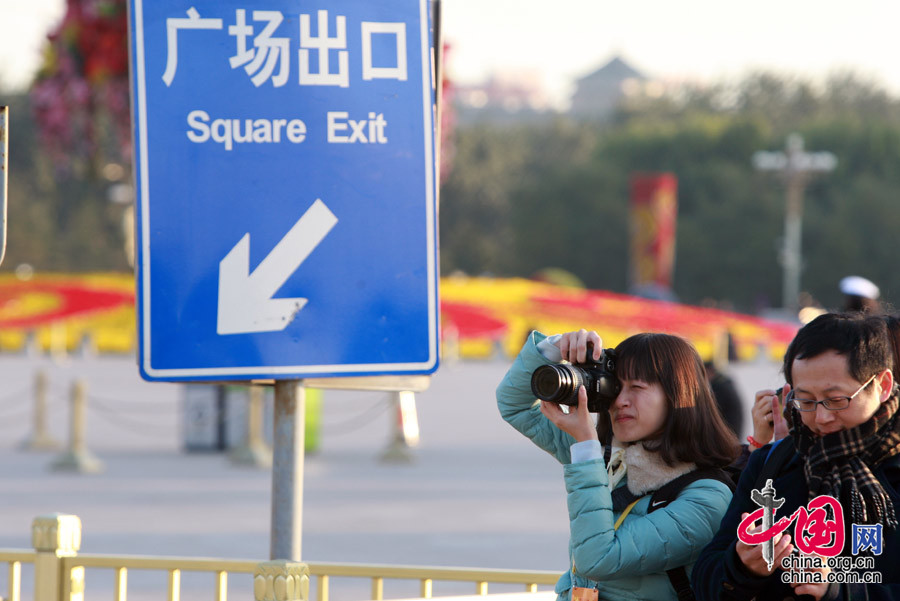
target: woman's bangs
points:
(637, 360)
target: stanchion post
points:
(77, 458)
(53, 537)
(287, 470)
(254, 452)
(40, 439)
(59, 342)
(450, 346)
(87, 346)
(405, 433)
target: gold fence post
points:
(53, 537)
(281, 581)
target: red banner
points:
(654, 211)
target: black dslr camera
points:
(558, 383)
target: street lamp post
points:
(796, 166)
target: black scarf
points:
(840, 464)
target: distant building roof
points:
(616, 70)
(598, 93)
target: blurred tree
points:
(477, 199)
(525, 198)
(55, 223)
(32, 225)
(69, 141)
(80, 97)
(573, 217)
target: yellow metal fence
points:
(15, 559)
(59, 571)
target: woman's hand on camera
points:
(573, 346)
(577, 422)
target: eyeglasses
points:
(833, 404)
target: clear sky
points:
(561, 40)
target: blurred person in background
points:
(860, 295)
(727, 397)
(662, 425)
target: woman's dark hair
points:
(863, 339)
(694, 431)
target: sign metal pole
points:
(287, 470)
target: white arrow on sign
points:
(245, 299)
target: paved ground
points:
(476, 494)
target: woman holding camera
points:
(663, 424)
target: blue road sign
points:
(285, 173)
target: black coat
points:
(719, 574)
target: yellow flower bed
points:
(481, 317)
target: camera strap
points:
(624, 513)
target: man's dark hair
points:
(862, 338)
(893, 327)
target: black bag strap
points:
(622, 498)
(670, 490)
(679, 579)
(665, 495)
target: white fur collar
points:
(646, 471)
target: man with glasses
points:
(844, 442)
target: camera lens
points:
(556, 383)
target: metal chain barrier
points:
(17, 412)
(16, 395)
(133, 406)
(358, 421)
(116, 417)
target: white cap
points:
(857, 286)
